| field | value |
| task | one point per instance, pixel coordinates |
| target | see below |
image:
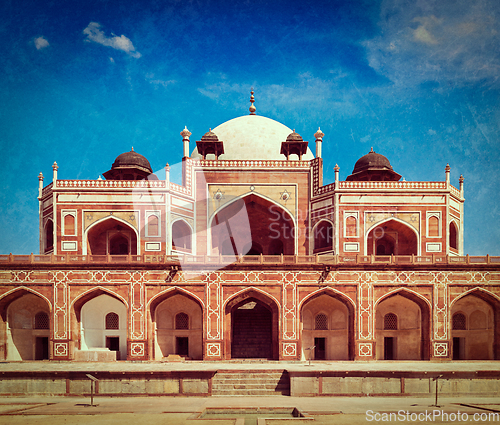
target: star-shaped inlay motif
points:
(285, 195)
(218, 195)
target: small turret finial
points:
(252, 108)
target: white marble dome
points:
(252, 137)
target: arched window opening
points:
(350, 227)
(453, 236)
(181, 236)
(323, 236)
(254, 249)
(321, 322)
(119, 245)
(390, 322)
(49, 236)
(112, 321)
(182, 321)
(433, 226)
(276, 247)
(41, 320)
(69, 224)
(459, 322)
(153, 226)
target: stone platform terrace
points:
(328, 378)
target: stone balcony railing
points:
(186, 259)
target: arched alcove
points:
(100, 322)
(327, 322)
(181, 236)
(402, 327)
(111, 236)
(178, 325)
(26, 321)
(453, 236)
(323, 236)
(474, 333)
(392, 237)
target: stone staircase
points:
(251, 382)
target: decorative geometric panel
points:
(213, 349)
(321, 322)
(60, 349)
(289, 349)
(137, 349)
(459, 322)
(365, 349)
(440, 349)
(182, 321)
(112, 321)
(390, 322)
(41, 320)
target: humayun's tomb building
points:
(251, 257)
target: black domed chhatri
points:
(129, 166)
(132, 159)
(373, 167)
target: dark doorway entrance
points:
(113, 343)
(182, 346)
(251, 332)
(457, 348)
(42, 348)
(319, 348)
(388, 348)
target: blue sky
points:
(82, 82)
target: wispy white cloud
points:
(447, 40)
(157, 82)
(41, 43)
(96, 35)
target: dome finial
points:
(252, 108)
(372, 151)
(132, 150)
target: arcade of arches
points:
(252, 325)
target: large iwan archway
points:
(252, 326)
(252, 225)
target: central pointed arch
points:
(392, 237)
(111, 235)
(250, 225)
(252, 323)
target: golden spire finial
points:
(252, 100)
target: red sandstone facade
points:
(250, 258)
